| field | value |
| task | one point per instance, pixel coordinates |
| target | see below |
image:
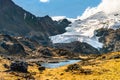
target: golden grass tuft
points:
(102, 69)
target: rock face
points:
(19, 66)
(63, 52)
(21, 48)
(45, 52)
(13, 48)
(77, 47)
(62, 24)
(11, 45)
(110, 38)
(16, 21)
(28, 44)
(53, 52)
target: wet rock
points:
(19, 66)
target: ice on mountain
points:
(84, 30)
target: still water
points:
(59, 64)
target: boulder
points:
(74, 67)
(41, 68)
(78, 68)
(6, 66)
(19, 66)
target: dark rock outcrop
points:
(6, 66)
(11, 45)
(66, 53)
(61, 25)
(117, 56)
(19, 66)
(77, 69)
(45, 52)
(41, 68)
(77, 47)
(13, 48)
(74, 67)
(48, 52)
(63, 52)
(28, 44)
(110, 38)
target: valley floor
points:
(105, 70)
(105, 67)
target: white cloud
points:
(57, 18)
(44, 1)
(107, 6)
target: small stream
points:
(59, 64)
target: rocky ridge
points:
(15, 21)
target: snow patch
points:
(105, 15)
(25, 15)
(84, 30)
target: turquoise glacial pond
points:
(59, 64)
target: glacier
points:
(85, 30)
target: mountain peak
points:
(15, 21)
(85, 30)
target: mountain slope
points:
(77, 47)
(16, 21)
(85, 30)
